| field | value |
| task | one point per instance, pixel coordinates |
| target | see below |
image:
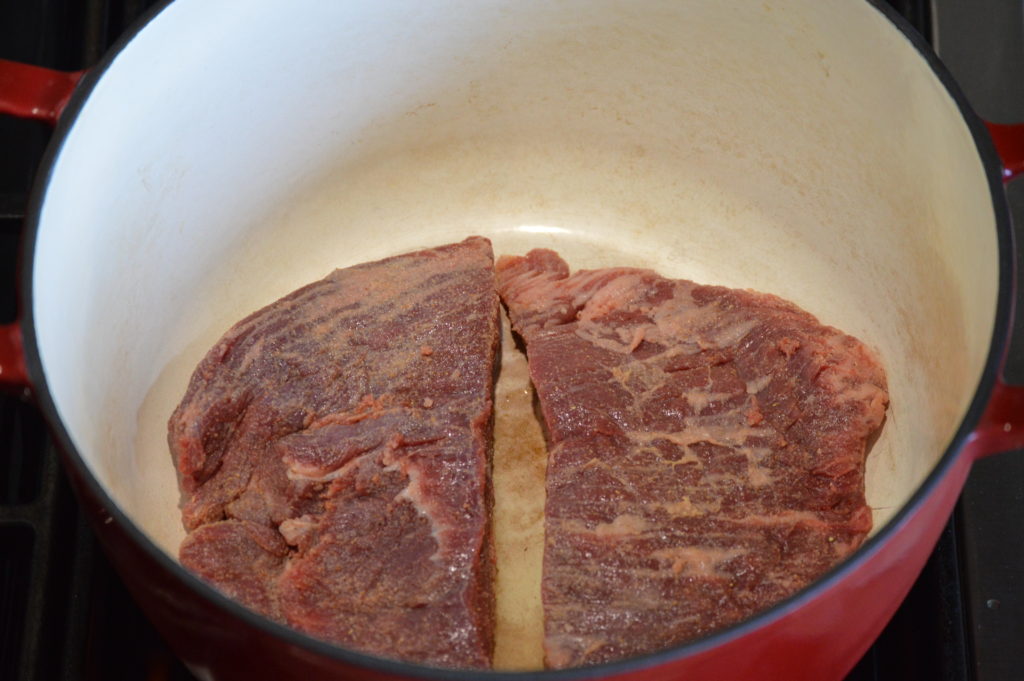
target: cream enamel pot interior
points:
(219, 159)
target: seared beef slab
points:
(706, 451)
(333, 447)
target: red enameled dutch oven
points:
(219, 157)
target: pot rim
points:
(873, 545)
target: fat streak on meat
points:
(706, 451)
(333, 448)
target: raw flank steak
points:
(333, 448)
(706, 451)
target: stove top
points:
(64, 614)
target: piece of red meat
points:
(333, 448)
(706, 451)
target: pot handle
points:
(35, 92)
(41, 94)
(1009, 141)
(1001, 427)
(13, 373)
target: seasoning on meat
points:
(333, 447)
(706, 451)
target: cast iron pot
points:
(220, 157)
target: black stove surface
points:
(64, 614)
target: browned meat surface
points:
(333, 447)
(241, 557)
(706, 451)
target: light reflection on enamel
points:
(542, 229)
